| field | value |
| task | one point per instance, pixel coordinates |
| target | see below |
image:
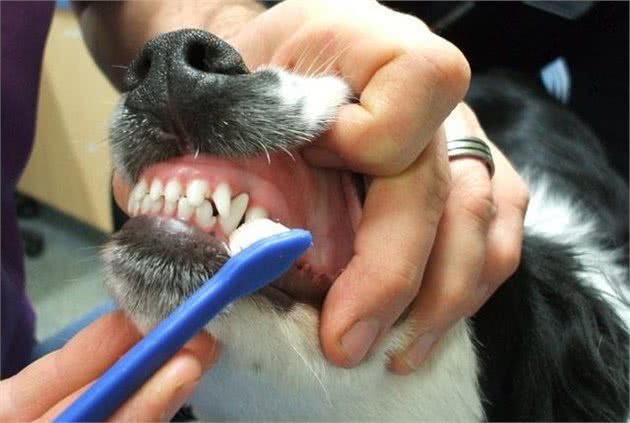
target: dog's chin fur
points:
(516, 359)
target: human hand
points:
(435, 237)
(477, 246)
(46, 387)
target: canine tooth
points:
(204, 216)
(184, 209)
(146, 204)
(173, 191)
(170, 207)
(237, 210)
(156, 189)
(196, 192)
(221, 198)
(157, 206)
(254, 213)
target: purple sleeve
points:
(24, 29)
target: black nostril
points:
(143, 67)
(195, 56)
(138, 69)
(206, 53)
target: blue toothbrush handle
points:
(251, 269)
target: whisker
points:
(314, 61)
(282, 326)
(288, 153)
(302, 57)
(334, 59)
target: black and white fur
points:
(551, 344)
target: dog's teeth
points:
(133, 206)
(139, 191)
(156, 190)
(173, 191)
(221, 198)
(196, 192)
(237, 210)
(143, 186)
(170, 207)
(255, 213)
(146, 204)
(184, 209)
(157, 205)
(203, 215)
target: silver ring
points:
(471, 147)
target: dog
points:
(207, 145)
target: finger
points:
(511, 196)
(408, 79)
(56, 375)
(170, 387)
(392, 245)
(505, 237)
(451, 288)
(408, 93)
(52, 413)
(497, 257)
(166, 391)
(400, 108)
(459, 252)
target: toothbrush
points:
(250, 269)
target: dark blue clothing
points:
(24, 30)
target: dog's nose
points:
(178, 62)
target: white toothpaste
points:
(252, 231)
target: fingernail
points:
(181, 395)
(419, 350)
(358, 340)
(322, 157)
